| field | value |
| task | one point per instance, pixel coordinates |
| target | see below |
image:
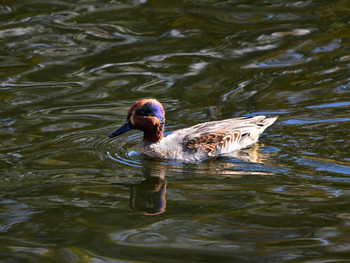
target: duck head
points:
(146, 115)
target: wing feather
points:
(220, 136)
(211, 142)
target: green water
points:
(69, 72)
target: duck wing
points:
(211, 142)
(224, 136)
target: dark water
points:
(69, 72)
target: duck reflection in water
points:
(148, 196)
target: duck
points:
(193, 144)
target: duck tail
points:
(267, 122)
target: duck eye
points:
(140, 112)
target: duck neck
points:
(153, 137)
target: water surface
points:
(70, 71)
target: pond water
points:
(69, 72)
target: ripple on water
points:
(183, 235)
(303, 121)
(330, 105)
(290, 58)
(326, 165)
(36, 93)
(13, 213)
